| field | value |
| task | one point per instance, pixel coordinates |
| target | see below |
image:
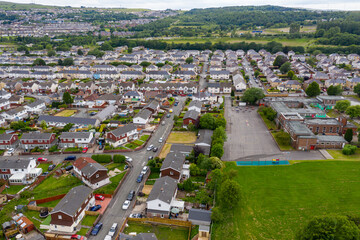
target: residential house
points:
(36, 107)
(16, 114)
(122, 135)
(153, 106)
(161, 197)
(142, 118)
(8, 141)
(11, 167)
(106, 113)
(219, 87)
(69, 212)
(76, 139)
(90, 172)
(239, 82)
(4, 94)
(352, 82)
(195, 105)
(220, 75)
(62, 121)
(133, 96)
(289, 85)
(172, 165)
(191, 116)
(42, 140)
(4, 104)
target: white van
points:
(112, 230)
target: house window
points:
(59, 217)
(162, 215)
(324, 129)
(171, 173)
(97, 175)
(317, 129)
(159, 204)
(331, 129)
(337, 129)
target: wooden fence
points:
(164, 221)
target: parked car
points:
(107, 237)
(44, 173)
(70, 158)
(168, 115)
(149, 148)
(76, 236)
(68, 168)
(155, 149)
(128, 159)
(163, 123)
(144, 170)
(126, 167)
(170, 110)
(150, 157)
(93, 113)
(85, 149)
(176, 103)
(101, 147)
(140, 178)
(112, 230)
(10, 150)
(135, 215)
(131, 195)
(160, 140)
(96, 229)
(51, 167)
(95, 208)
(99, 197)
(41, 159)
(126, 205)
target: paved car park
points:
(248, 137)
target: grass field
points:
(13, 189)
(55, 186)
(181, 137)
(162, 232)
(49, 204)
(66, 113)
(279, 200)
(165, 150)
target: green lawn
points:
(88, 220)
(82, 231)
(34, 216)
(13, 189)
(162, 232)
(154, 175)
(131, 145)
(72, 149)
(52, 186)
(110, 188)
(337, 155)
(66, 113)
(138, 142)
(279, 200)
(44, 166)
(112, 166)
(144, 137)
(50, 204)
(150, 182)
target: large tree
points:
(329, 227)
(207, 121)
(252, 95)
(348, 135)
(294, 28)
(342, 105)
(229, 194)
(285, 68)
(313, 89)
(353, 111)
(219, 133)
(334, 90)
(189, 60)
(39, 62)
(67, 98)
(280, 60)
(357, 89)
(217, 150)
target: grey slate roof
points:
(180, 148)
(195, 103)
(191, 114)
(105, 113)
(152, 105)
(144, 114)
(5, 137)
(145, 236)
(330, 138)
(14, 164)
(199, 215)
(70, 135)
(66, 120)
(299, 128)
(35, 135)
(36, 103)
(91, 168)
(204, 137)
(173, 160)
(163, 189)
(121, 130)
(73, 200)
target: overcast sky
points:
(189, 4)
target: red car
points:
(85, 149)
(75, 236)
(41, 159)
(99, 197)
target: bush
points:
(53, 148)
(102, 158)
(119, 158)
(349, 149)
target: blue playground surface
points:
(262, 163)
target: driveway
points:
(248, 137)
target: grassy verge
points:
(284, 144)
(338, 155)
(110, 188)
(162, 232)
(269, 124)
(112, 166)
(332, 113)
(66, 113)
(181, 137)
(165, 150)
(278, 201)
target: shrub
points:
(102, 158)
(349, 149)
(53, 148)
(119, 158)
